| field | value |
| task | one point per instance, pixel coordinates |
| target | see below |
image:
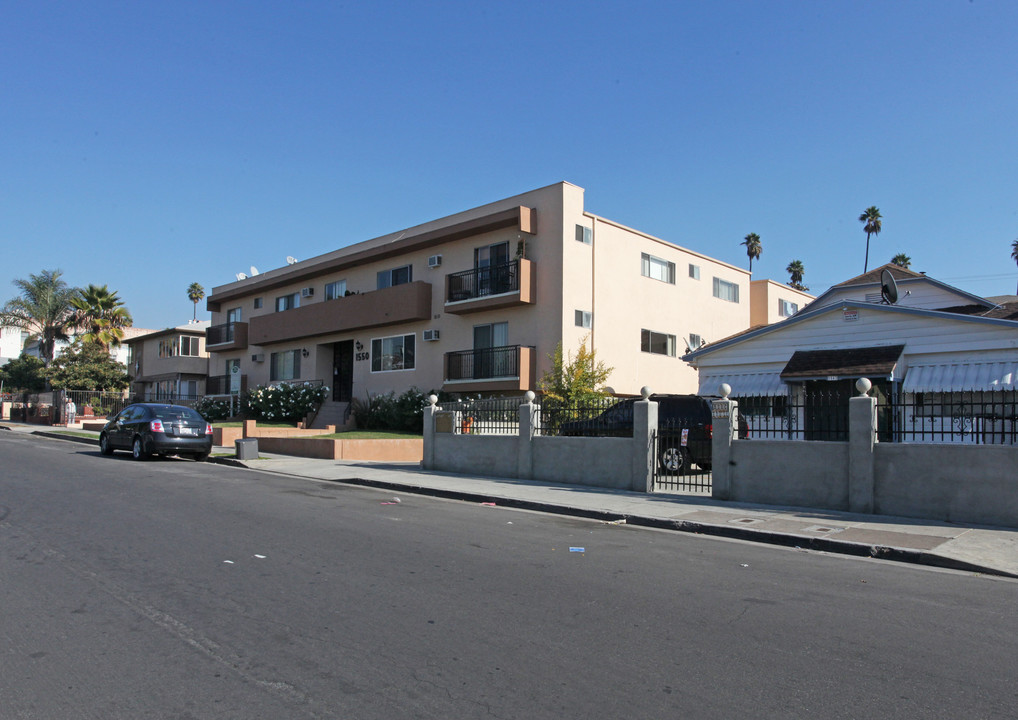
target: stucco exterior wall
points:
(594, 462)
(805, 474)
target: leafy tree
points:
(753, 248)
(24, 373)
(871, 217)
(902, 260)
(1014, 252)
(43, 309)
(87, 366)
(796, 271)
(195, 293)
(101, 314)
(577, 379)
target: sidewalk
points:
(983, 549)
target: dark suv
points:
(155, 428)
(685, 429)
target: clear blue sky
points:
(149, 145)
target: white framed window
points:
(694, 271)
(188, 346)
(335, 290)
(393, 353)
(584, 234)
(395, 276)
(726, 290)
(584, 319)
(288, 302)
(657, 343)
(787, 308)
(656, 268)
(284, 365)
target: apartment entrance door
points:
(342, 371)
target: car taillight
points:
(208, 428)
(710, 431)
(156, 426)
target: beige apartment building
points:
(170, 364)
(476, 303)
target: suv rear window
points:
(176, 414)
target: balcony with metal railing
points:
(228, 336)
(509, 367)
(489, 288)
(222, 385)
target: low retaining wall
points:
(395, 450)
(226, 436)
(251, 430)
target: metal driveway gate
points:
(682, 455)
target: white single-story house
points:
(941, 360)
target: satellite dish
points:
(241, 276)
(290, 259)
(888, 287)
(254, 271)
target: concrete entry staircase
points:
(334, 413)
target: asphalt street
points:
(171, 589)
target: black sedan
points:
(157, 429)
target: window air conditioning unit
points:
(260, 357)
(430, 335)
(307, 292)
(434, 261)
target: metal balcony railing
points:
(481, 282)
(483, 364)
(219, 334)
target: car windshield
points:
(177, 415)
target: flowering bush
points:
(214, 409)
(284, 403)
(391, 412)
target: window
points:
(288, 302)
(584, 234)
(786, 308)
(335, 290)
(694, 271)
(695, 341)
(657, 268)
(726, 290)
(285, 365)
(583, 319)
(657, 343)
(167, 348)
(393, 353)
(233, 315)
(396, 276)
(189, 346)
(258, 303)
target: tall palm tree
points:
(1014, 253)
(195, 293)
(796, 270)
(753, 248)
(902, 260)
(43, 309)
(871, 217)
(101, 314)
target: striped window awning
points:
(959, 377)
(747, 385)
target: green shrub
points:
(214, 409)
(284, 403)
(391, 412)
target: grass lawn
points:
(262, 424)
(372, 435)
(72, 433)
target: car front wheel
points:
(138, 449)
(104, 445)
(673, 461)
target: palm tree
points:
(1014, 252)
(871, 217)
(753, 248)
(902, 260)
(101, 314)
(195, 293)
(43, 309)
(796, 270)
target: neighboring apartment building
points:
(477, 302)
(170, 364)
(12, 342)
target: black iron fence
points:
(490, 280)
(483, 364)
(487, 416)
(596, 417)
(975, 417)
